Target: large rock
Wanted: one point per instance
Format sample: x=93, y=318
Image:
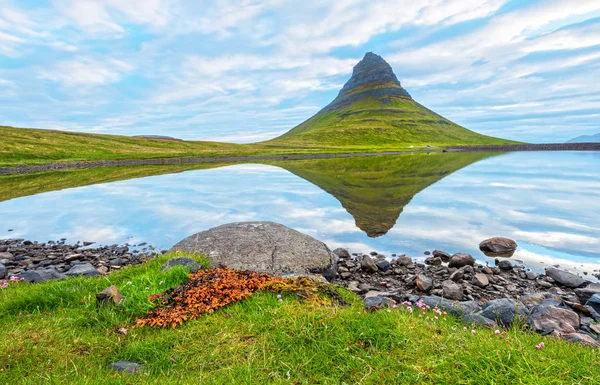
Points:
x=459, y=260
x=498, y=246
x=264, y=247
x=41, y=275
x=188, y=263
x=481, y=280
x=445, y=257
x=342, y=253
x=565, y=278
x=378, y=301
x=594, y=303
x=581, y=339
x=547, y=317
x=82, y=269
x=503, y=310
x=2, y=271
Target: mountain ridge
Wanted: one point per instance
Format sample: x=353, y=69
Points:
x=594, y=138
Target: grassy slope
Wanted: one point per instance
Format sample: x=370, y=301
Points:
x=374, y=190
x=54, y=333
x=26, y=146
x=379, y=122
x=20, y=185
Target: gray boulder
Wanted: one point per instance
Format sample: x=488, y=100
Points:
x=461, y=259
x=565, y=278
x=41, y=275
x=453, y=307
x=452, y=290
x=505, y=265
x=548, y=317
x=498, y=246
x=434, y=261
x=186, y=262
x=403, y=260
x=478, y=320
x=481, y=280
x=581, y=338
x=594, y=303
x=264, y=247
x=2, y=271
x=82, y=269
x=503, y=310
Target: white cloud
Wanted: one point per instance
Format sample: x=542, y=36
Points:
x=86, y=72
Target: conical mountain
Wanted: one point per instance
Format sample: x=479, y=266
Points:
x=373, y=109
x=374, y=190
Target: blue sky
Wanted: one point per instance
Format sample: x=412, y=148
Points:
x=250, y=70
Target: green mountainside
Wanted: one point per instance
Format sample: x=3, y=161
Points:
x=374, y=190
x=372, y=109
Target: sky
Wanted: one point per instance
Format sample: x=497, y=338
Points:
x=246, y=70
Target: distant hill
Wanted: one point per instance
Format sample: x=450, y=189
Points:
x=163, y=137
x=373, y=109
x=586, y=139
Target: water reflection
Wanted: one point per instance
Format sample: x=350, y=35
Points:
x=547, y=202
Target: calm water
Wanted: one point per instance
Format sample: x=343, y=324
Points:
x=547, y=202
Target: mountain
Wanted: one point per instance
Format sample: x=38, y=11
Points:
x=374, y=190
x=374, y=109
x=586, y=139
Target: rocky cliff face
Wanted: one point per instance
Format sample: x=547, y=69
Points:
x=371, y=77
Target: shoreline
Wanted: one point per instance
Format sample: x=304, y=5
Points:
x=68, y=165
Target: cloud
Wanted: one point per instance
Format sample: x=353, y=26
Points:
x=86, y=72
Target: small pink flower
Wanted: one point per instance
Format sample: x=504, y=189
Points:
x=539, y=346
x=4, y=284
x=278, y=296
x=465, y=329
x=14, y=278
x=497, y=332
x=410, y=310
x=394, y=306
x=473, y=331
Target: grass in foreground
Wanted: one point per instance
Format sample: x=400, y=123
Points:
x=54, y=333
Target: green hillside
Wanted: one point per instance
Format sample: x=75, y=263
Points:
x=374, y=190
x=373, y=109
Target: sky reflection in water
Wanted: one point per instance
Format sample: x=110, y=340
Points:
x=547, y=202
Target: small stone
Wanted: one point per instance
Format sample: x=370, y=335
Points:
x=403, y=260
x=126, y=366
x=353, y=286
x=498, y=245
x=383, y=265
x=532, y=300
x=74, y=257
x=461, y=259
x=505, y=265
x=367, y=264
x=427, y=252
x=342, y=253
x=481, y=280
x=342, y=269
x=452, y=290
x=543, y=284
x=186, y=262
x=377, y=301
x=363, y=287
x=457, y=276
x=102, y=270
x=434, y=261
x=442, y=255
x=3, y=271
x=594, y=303
x=110, y=295
x=424, y=283
x=6, y=255
x=345, y=275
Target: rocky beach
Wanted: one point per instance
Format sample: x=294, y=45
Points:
x=557, y=302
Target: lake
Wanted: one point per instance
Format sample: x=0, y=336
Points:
x=403, y=204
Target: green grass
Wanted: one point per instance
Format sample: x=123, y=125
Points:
x=382, y=121
x=54, y=333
